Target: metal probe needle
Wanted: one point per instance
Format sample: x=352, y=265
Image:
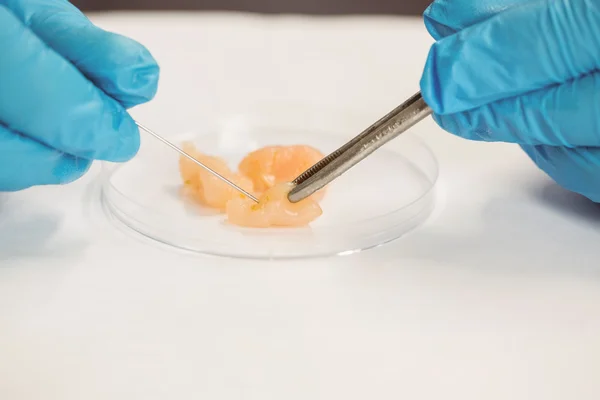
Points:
x=183, y=153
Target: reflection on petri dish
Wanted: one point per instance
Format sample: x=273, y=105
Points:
x=385, y=196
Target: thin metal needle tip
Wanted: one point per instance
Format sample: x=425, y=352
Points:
x=183, y=153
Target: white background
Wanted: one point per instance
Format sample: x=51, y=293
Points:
x=497, y=297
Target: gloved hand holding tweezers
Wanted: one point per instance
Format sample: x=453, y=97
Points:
x=517, y=71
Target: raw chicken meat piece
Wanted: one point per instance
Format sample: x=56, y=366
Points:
x=204, y=187
x=271, y=165
x=265, y=173
x=273, y=210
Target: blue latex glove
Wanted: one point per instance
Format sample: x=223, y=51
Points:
x=64, y=89
x=522, y=72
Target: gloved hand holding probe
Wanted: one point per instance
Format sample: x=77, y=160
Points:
x=524, y=72
x=65, y=86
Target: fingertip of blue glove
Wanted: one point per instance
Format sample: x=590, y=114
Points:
x=136, y=88
x=127, y=143
x=70, y=169
x=470, y=126
x=123, y=68
x=430, y=84
x=140, y=85
x=120, y=66
x=147, y=79
x=451, y=124
x=447, y=83
x=432, y=18
x=114, y=137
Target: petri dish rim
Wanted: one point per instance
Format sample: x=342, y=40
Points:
x=108, y=170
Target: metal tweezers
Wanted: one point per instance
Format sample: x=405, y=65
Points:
x=341, y=160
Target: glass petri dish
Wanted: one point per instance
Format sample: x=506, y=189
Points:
x=382, y=198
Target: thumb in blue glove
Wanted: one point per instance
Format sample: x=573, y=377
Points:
x=521, y=72
x=65, y=86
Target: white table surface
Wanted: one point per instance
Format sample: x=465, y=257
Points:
x=497, y=297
